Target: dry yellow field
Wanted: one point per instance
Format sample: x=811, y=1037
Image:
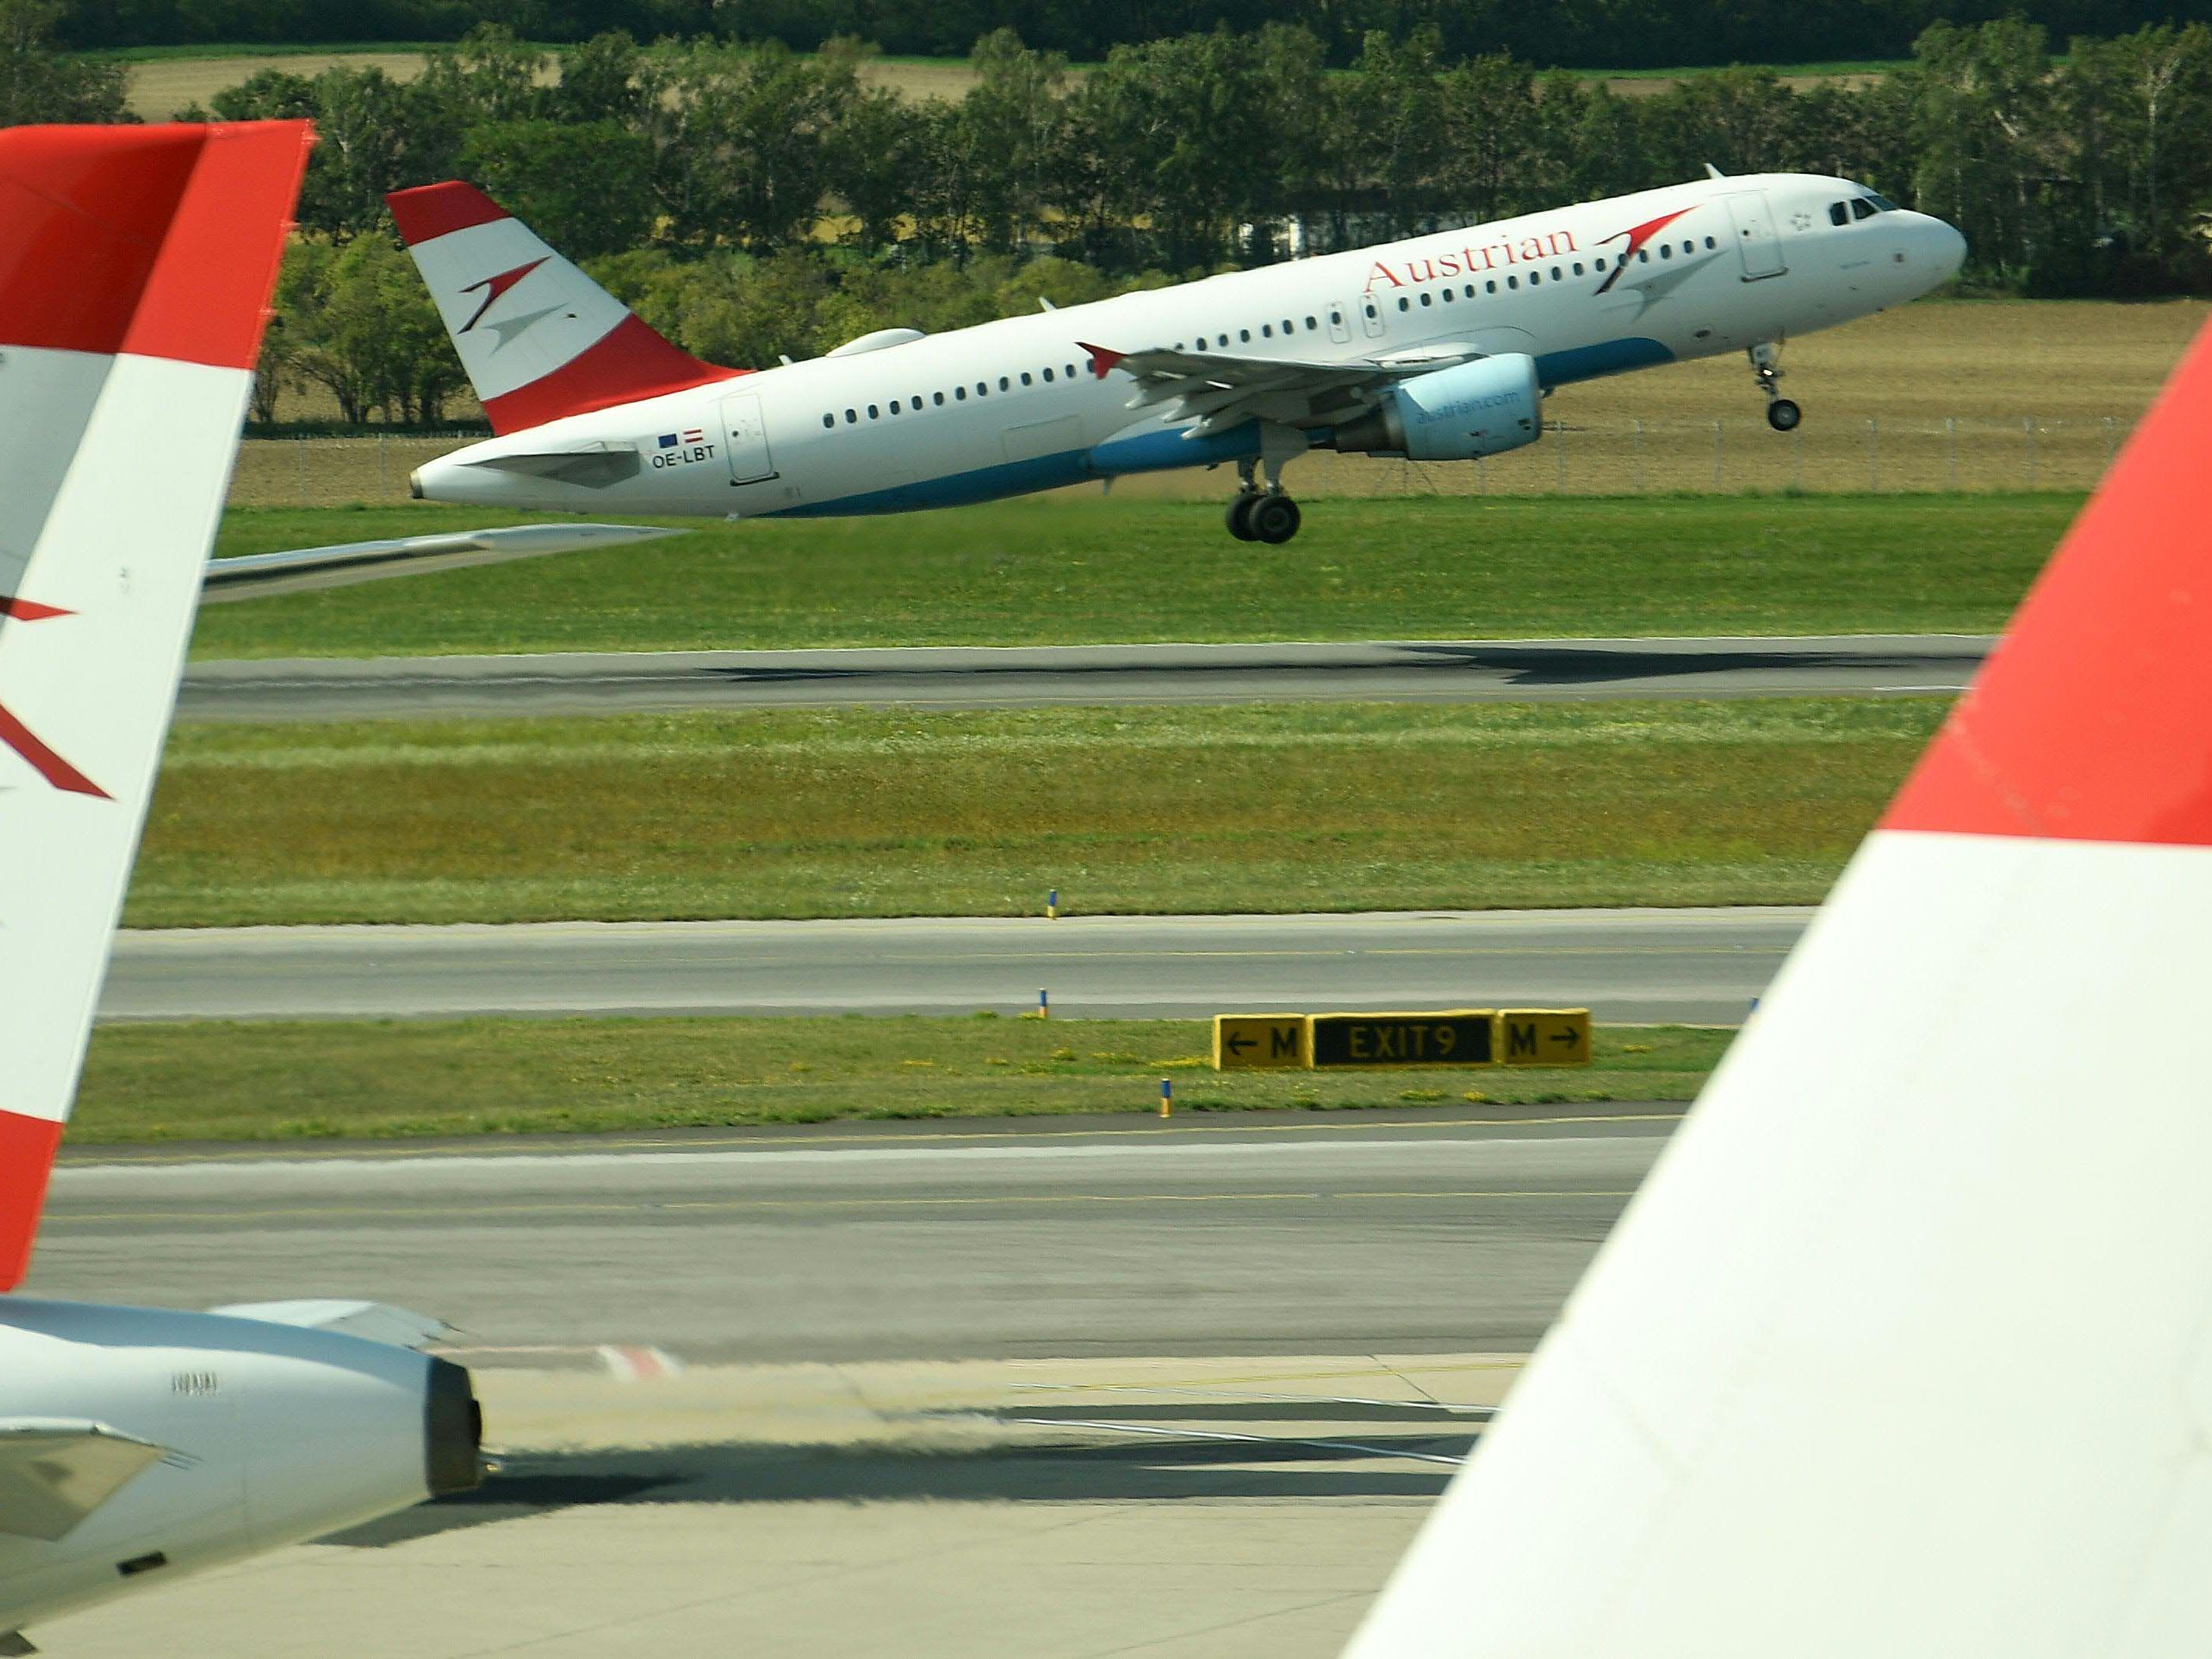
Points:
x=2036, y=395
x=160, y=89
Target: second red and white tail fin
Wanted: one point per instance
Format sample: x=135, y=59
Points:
x=1905, y=1345
x=135, y=265
x=538, y=338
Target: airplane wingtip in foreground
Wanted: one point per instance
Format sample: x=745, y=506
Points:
x=135, y=265
x=136, y=1444
x=1904, y=1345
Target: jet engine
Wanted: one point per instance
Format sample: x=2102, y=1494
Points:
x=148, y=1444
x=1480, y=408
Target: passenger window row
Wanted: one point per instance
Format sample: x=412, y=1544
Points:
x=915, y=405
x=1289, y=327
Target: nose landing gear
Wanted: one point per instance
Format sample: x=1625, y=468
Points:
x=1781, y=414
x=1262, y=515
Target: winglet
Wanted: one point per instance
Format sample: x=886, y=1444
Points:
x=1957, y=1170
x=1104, y=361
x=135, y=265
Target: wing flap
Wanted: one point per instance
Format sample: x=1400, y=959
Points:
x=1220, y=390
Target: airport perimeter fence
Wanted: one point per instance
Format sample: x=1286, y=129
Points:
x=1827, y=456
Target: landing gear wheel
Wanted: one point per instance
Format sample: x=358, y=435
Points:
x=1272, y=518
x=1783, y=414
x=1239, y=515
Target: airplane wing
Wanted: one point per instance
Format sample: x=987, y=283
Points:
x=1905, y=1345
x=55, y=1471
x=250, y=575
x=1220, y=390
x=377, y=1322
x=135, y=265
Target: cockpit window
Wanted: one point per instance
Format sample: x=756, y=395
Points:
x=1838, y=213
x=1882, y=203
x=1863, y=209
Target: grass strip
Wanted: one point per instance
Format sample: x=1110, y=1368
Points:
x=1054, y=572
x=382, y=1080
x=1276, y=808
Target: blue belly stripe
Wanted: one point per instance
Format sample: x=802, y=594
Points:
x=1607, y=357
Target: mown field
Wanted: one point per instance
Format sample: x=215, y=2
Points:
x=1276, y=808
x=1046, y=573
x=217, y=1081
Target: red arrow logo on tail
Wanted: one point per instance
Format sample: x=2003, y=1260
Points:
x=496, y=286
x=24, y=741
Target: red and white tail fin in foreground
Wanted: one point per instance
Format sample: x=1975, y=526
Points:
x=540, y=338
x=1905, y=1346
x=135, y=265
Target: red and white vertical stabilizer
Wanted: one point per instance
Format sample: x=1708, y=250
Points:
x=1905, y=1347
x=540, y=338
x=135, y=265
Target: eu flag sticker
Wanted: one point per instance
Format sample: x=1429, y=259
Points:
x=668, y=441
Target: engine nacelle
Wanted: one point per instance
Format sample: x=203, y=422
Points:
x=1483, y=408
x=252, y=1436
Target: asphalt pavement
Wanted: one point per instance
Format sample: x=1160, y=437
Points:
x=975, y=676
x=1289, y=1233
x=1695, y=966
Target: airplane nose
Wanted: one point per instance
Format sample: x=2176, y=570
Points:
x=1950, y=249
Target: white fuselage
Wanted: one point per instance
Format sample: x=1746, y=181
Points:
x=1012, y=406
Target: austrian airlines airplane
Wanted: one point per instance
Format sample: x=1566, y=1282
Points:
x=139, y=1443
x=1440, y=348
x=1905, y=1345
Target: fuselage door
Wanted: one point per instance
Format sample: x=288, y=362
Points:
x=1756, y=243
x=745, y=439
x=1371, y=314
x=1339, y=322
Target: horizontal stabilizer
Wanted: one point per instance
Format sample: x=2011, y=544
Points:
x=55, y=1471
x=402, y=552
x=374, y=1321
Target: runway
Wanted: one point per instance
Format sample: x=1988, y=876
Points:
x=978, y=677
x=1288, y=1233
x=1695, y=966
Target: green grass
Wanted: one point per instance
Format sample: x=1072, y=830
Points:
x=217, y=1081
x=1047, y=571
x=873, y=812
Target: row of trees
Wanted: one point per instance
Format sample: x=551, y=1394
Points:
x=1574, y=34
x=2089, y=174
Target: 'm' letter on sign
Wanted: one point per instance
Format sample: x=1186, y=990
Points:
x=1543, y=1036
x=1268, y=1042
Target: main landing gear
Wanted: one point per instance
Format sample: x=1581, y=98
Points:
x=1262, y=515
x=1781, y=414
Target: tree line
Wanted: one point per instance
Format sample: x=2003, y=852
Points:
x=753, y=202
x=1619, y=35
